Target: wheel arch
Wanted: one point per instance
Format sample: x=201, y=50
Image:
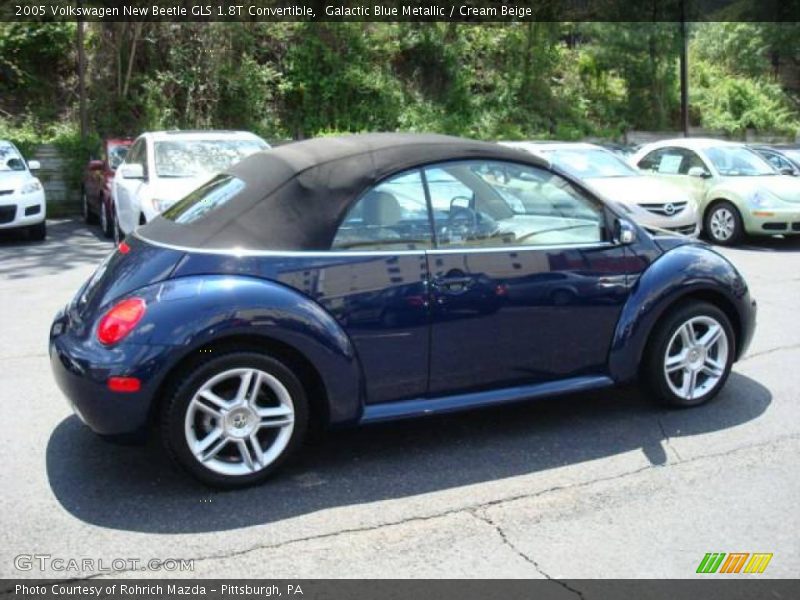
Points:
x=189, y=316
x=296, y=361
x=676, y=278
x=718, y=198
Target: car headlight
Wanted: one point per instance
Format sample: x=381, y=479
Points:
x=761, y=198
x=160, y=205
x=31, y=187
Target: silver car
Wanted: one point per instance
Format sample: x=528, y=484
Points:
x=649, y=201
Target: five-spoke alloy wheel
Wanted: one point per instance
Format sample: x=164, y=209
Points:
x=235, y=418
x=690, y=355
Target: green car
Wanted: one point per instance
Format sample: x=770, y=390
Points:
x=737, y=191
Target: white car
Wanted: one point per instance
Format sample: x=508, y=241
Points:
x=22, y=202
x=162, y=167
x=649, y=201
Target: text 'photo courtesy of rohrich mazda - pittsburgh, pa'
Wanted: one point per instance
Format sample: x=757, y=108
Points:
x=475, y=298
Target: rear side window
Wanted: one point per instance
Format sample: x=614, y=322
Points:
x=205, y=199
x=391, y=216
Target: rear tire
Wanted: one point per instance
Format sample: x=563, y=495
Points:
x=723, y=224
x=689, y=356
x=116, y=232
x=233, y=420
x=106, y=222
x=88, y=216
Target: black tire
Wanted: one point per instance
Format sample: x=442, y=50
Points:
x=177, y=404
x=38, y=232
x=106, y=221
x=116, y=232
x=88, y=216
x=654, y=373
x=732, y=215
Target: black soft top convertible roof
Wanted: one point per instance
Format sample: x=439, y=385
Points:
x=296, y=195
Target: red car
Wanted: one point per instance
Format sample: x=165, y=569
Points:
x=97, y=203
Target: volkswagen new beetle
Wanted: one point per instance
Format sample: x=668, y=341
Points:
x=352, y=280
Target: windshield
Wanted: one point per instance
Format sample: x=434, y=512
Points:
x=10, y=159
x=586, y=164
x=734, y=161
x=190, y=158
x=794, y=155
x=116, y=154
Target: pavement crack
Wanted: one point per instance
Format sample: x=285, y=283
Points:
x=769, y=351
x=481, y=515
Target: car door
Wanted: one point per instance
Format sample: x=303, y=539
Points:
x=126, y=190
x=374, y=282
x=675, y=164
x=526, y=285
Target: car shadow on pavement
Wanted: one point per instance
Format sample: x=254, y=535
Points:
x=77, y=245
x=137, y=489
x=771, y=244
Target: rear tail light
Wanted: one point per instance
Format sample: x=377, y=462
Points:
x=120, y=320
x=124, y=384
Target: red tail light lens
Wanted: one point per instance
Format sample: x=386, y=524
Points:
x=120, y=320
x=124, y=384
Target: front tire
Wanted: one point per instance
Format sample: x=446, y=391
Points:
x=233, y=420
x=38, y=232
x=690, y=355
x=723, y=224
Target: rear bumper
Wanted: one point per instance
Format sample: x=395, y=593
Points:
x=81, y=369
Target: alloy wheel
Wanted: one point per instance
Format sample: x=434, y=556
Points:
x=722, y=224
x=239, y=421
x=696, y=357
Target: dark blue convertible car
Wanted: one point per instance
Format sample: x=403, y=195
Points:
x=351, y=280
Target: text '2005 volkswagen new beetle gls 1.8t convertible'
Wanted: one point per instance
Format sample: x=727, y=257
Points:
x=367, y=278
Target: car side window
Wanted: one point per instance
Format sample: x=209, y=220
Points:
x=391, y=216
x=671, y=161
x=136, y=155
x=495, y=204
x=777, y=161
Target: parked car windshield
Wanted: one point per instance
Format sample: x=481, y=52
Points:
x=10, y=159
x=733, y=161
x=190, y=158
x=792, y=154
x=116, y=154
x=589, y=163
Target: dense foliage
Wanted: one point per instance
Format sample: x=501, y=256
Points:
x=293, y=80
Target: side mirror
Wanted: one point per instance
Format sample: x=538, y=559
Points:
x=95, y=165
x=624, y=232
x=34, y=165
x=787, y=171
x=699, y=172
x=132, y=171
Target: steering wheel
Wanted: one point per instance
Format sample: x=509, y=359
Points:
x=462, y=221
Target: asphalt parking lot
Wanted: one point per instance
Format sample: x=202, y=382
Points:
x=596, y=485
